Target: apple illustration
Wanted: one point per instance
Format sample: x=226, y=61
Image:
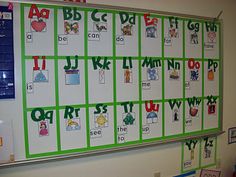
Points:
x=193, y=111
x=39, y=25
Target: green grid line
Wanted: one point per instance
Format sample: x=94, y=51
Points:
x=140, y=79
x=24, y=80
x=203, y=77
x=163, y=76
x=114, y=76
x=184, y=55
x=56, y=81
x=86, y=76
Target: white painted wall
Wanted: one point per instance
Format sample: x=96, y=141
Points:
x=144, y=162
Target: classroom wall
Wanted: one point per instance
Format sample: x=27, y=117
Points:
x=144, y=162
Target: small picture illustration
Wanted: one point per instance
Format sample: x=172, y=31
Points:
x=152, y=117
x=210, y=75
x=174, y=74
x=193, y=37
x=71, y=27
x=72, y=77
x=211, y=109
x=127, y=30
x=175, y=115
x=101, y=120
x=40, y=76
x=194, y=75
x=43, y=128
x=100, y=27
x=129, y=118
x=173, y=32
x=193, y=111
x=151, y=31
x=101, y=76
x=152, y=74
x=72, y=124
x=128, y=76
x=207, y=152
x=38, y=25
x=211, y=36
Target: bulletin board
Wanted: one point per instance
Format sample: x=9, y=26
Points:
x=7, y=84
x=99, y=79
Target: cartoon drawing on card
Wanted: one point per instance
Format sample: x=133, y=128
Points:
x=38, y=25
x=72, y=77
x=129, y=118
x=151, y=26
x=210, y=75
x=175, y=114
x=211, y=35
x=151, y=32
x=43, y=128
x=212, y=68
x=72, y=73
x=173, y=28
x=71, y=27
x=101, y=117
x=175, y=107
x=194, y=103
x=208, y=146
x=193, y=31
x=100, y=27
x=194, y=69
x=191, y=144
x=152, y=112
x=101, y=76
x=128, y=76
x=174, y=74
x=211, y=109
x=38, y=18
x=72, y=124
x=72, y=118
x=174, y=69
x=152, y=74
x=211, y=103
x=40, y=75
x=101, y=120
x=127, y=30
x=193, y=37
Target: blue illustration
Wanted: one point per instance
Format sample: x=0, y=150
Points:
x=194, y=75
x=40, y=77
x=152, y=74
